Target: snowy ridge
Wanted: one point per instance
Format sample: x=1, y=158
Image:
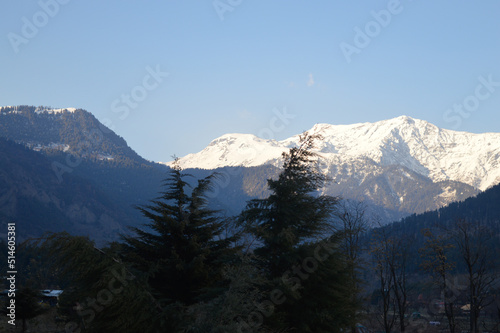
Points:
x=54, y=111
x=422, y=147
x=235, y=150
x=38, y=110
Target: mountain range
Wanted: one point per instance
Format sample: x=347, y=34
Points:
x=404, y=165
x=430, y=151
x=88, y=180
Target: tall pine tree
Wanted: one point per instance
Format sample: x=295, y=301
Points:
x=291, y=215
x=287, y=226
x=183, y=252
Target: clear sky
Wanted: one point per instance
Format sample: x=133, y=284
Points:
x=171, y=76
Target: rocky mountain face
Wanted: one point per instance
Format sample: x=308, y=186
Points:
x=403, y=164
x=72, y=131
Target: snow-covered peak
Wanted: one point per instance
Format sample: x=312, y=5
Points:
x=234, y=150
x=54, y=111
x=416, y=144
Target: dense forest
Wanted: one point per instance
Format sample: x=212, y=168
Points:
x=292, y=261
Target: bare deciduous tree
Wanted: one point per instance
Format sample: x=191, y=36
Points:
x=351, y=223
x=391, y=256
x=473, y=240
x=381, y=254
x=398, y=266
x=436, y=262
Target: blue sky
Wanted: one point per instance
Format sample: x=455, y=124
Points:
x=170, y=76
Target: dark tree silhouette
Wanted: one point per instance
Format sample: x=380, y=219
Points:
x=287, y=225
x=183, y=250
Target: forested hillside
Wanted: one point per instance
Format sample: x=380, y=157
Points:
x=32, y=196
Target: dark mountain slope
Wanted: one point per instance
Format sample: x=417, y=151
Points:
x=32, y=196
x=484, y=207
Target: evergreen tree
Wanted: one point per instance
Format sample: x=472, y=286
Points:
x=231, y=311
x=291, y=215
x=183, y=252
x=313, y=286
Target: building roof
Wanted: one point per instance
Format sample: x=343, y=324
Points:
x=51, y=293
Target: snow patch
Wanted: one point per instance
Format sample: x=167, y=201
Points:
x=54, y=111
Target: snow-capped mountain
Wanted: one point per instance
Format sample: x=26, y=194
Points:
x=421, y=147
